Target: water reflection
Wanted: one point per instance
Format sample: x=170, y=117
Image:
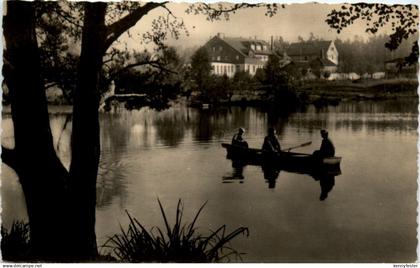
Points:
x=271, y=173
x=237, y=173
x=111, y=183
x=327, y=182
x=176, y=153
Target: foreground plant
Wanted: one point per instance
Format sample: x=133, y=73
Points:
x=177, y=243
x=15, y=244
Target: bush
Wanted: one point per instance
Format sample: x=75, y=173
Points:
x=15, y=244
x=177, y=243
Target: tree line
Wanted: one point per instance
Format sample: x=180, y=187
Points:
x=358, y=55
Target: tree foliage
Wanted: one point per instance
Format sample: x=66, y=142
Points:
x=219, y=11
x=160, y=84
x=273, y=72
x=200, y=68
x=402, y=19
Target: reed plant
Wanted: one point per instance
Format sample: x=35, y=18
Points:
x=177, y=243
x=15, y=243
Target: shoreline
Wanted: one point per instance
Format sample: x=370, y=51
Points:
x=318, y=93
x=321, y=93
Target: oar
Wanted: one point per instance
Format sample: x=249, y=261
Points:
x=298, y=146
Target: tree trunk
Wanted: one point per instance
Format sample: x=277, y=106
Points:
x=41, y=174
x=60, y=204
x=85, y=135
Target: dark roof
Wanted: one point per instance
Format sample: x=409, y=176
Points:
x=307, y=48
x=243, y=45
x=253, y=60
x=327, y=62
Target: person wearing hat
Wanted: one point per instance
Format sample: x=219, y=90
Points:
x=238, y=140
x=271, y=143
x=327, y=148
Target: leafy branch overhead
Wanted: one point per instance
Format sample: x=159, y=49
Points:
x=215, y=12
x=403, y=20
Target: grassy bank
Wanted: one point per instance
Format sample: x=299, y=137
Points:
x=323, y=92
x=356, y=90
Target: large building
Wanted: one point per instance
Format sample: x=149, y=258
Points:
x=230, y=55
x=322, y=55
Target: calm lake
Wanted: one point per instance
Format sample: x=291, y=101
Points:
x=369, y=215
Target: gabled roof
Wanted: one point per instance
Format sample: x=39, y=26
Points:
x=308, y=48
x=243, y=45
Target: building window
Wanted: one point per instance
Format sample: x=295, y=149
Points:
x=252, y=46
x=265, y=47
x=226, y=58
x=214, y=49
x=220, y=48
x=258, y=47
x=218, y=58
x=237, y=57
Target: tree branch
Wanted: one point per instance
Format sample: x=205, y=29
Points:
x=50, y=84
x=154, y=63
x=8, y=156
x=218, y=11
x=117, y=28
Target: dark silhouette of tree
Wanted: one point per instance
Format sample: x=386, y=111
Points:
x=403, y=20
x=272, y=71
x=200, y=68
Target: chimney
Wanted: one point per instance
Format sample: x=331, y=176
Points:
x=272, y=43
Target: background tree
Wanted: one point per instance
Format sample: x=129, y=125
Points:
x=273, y=75
x=279, y=84
x=201, y=68
x=160, y=84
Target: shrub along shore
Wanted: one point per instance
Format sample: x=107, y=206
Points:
x=321, y=93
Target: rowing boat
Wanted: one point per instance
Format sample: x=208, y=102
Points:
x=285, y=160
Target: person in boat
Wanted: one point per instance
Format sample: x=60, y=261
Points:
x=238, y=139
x=271, y=143
x=327, y=148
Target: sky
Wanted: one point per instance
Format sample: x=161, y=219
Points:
x=289, y=23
